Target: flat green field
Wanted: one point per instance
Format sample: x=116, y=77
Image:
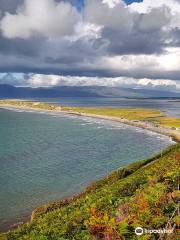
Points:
x=142, y=194
x=127, y=113
x=27, y=104
x=137, y=114
x=170, y=122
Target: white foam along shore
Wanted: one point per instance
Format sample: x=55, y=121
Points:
x=173, y=134
x=138, y=124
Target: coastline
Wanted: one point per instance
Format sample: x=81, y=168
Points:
x=124, y=172
x=62, y=202
x=139, y=124
x=173, y=134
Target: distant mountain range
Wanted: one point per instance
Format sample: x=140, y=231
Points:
x=8, y=91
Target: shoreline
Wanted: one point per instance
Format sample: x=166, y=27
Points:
x=55, y=204
x=44, y=211
x=137, y=124
x=173, y=134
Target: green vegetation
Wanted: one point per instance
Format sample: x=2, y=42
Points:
x=153, y=116
x=127, y=113
x=143, y=194
x=170, y=122
x=27, y=104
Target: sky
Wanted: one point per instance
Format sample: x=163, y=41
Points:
x=116, y=43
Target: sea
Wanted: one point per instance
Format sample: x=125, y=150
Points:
x=46, y=157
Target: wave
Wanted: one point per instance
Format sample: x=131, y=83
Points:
x=98, y=123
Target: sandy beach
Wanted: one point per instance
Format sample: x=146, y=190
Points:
x=172, y=133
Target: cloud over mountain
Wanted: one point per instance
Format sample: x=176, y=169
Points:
x=100, y=38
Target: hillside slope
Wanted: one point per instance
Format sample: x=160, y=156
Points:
x=143, y=194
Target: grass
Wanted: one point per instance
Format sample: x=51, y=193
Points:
x=127, y=113
x=144, y=194
x=170, y=122
x=27, y=104
x=136, y=114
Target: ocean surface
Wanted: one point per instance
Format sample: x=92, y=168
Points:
x=45, y=157
x=170, y=107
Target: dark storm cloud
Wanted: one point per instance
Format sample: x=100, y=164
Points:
x=70, y=42
x=175, y=37
x=20, y=47
x=74, y=53
x=66, y=67
x=134, y=42
x=9, y=5
x=132, y=33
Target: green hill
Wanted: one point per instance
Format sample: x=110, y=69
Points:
x=143, y=194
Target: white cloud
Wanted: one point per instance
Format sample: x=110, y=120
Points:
x=168, y=61
x=111, y=14
x=85, y=30
x=43, y=17
x=41, y=80
x=108, y=38
x=159, y=84
x=111, y=3
x=147, y=5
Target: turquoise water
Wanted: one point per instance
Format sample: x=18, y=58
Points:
x=46, y=157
